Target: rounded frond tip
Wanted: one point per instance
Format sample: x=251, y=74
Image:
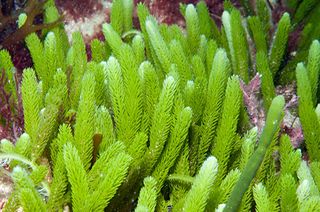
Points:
x=107, y=28
x=191, y=10
x=150, y=181
x=112, y=62
x=300, y=66
x=104, y=63
x=286, y=16
x=315, y=43
x=169, y=80
x=220, y=208
x=22, y=19
x=210, y=163
x=225, y=15
x=50, y=35
x=150, y=22
x=279, y=101
x=221, y=54
x=190, y=83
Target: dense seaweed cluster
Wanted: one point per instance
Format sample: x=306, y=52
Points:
x=161, y=116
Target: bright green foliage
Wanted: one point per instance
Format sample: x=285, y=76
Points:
x=289, y=159
x=181, y=60
x=216, y=89
x=158, y=44
x=288, y=198
x=113, y=38
x=77, y=177
x=7, y=67
x=222, y=194
x=264, y=14
x=201, y=185
x=193, y=28
x=174, y=145
x=79, y=65
x=138, y=148
x=267, y=86
x=138, y=47
x=237, y=43
x=60, y=181
x=153, y=106
x=84, y=127
x=202, y=50
x=62, y=42
x=116, y=89
x=117, y=16
x=57, y=94
x=313, y=68
x=29, y=198
x=101, y=90
x=273, y=121
x=308, y=117
x=226, y=129
x=36, y=50
x=143, y=13
x=303, y=174
x=50, y=56
x=6, y=64
x=104, y=126
x=152, y=90
x=132, y=95
x=195, y=91
x=262, y=199
x=95, y=172
x=127, y=11
x=32, y=103
x=247, y=147
x=205, y=27
x=279, y=43
x=258, y=34
x=96, y=194
x=113, y=174
x=98, y=50
x=147, y=196
x=211, y=51
x=304, y=8
x=22, y=19
x=161, y=121
x=315, y=167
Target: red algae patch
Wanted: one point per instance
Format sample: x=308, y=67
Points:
x=85, y=16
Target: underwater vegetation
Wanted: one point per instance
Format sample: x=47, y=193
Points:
x=165, y=118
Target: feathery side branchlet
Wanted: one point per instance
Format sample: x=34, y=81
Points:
x=216, y=88
x=313, y=67
x=148, y=196
x=158, y=44
x=174, y=145
x=201, y=184
x=84, y=127
x=32, y=103
x=267, y=85
x=262, y=198
x=161, y=122
x=258, y=34
x=279, y=43
x=227, y=126
x=9, y=72
x=79, y=65
x=264, y=14
x=308, y=117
